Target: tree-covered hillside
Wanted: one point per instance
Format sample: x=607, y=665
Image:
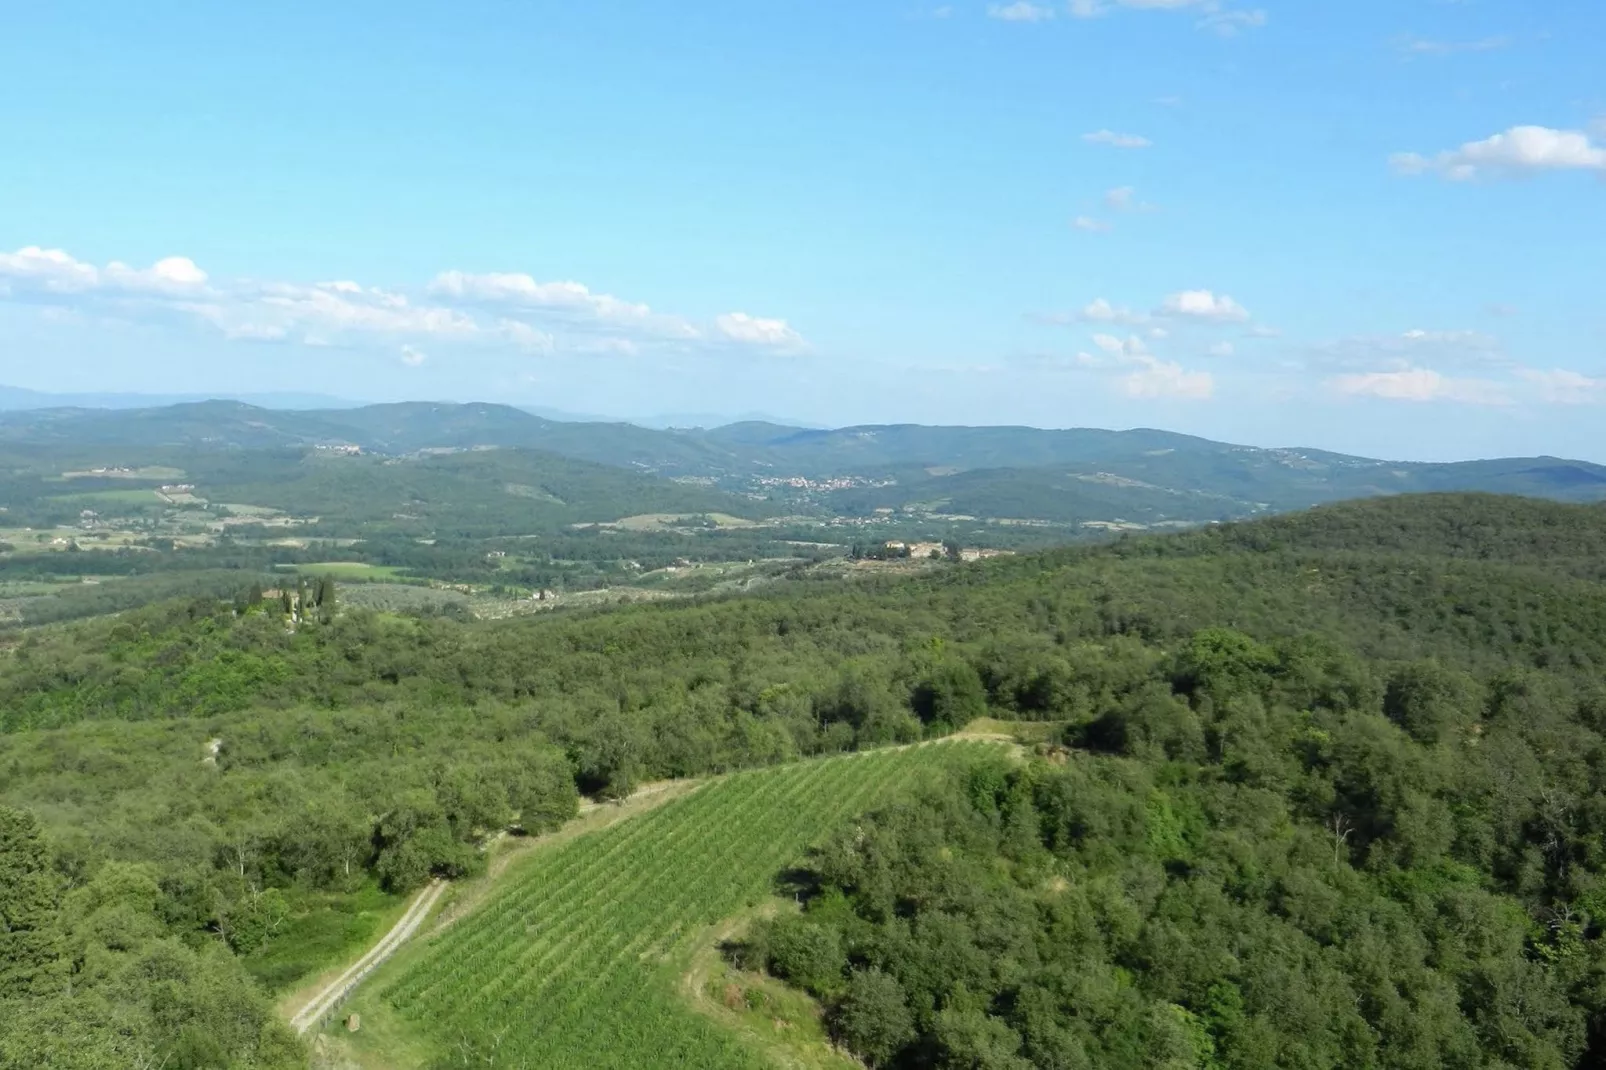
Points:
x=1347, y=766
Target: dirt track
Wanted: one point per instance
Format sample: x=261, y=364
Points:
x=330, y=997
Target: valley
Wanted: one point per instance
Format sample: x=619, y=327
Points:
x=484, y=509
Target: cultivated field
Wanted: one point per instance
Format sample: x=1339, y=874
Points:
x=577, y=961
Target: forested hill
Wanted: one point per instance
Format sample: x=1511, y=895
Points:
x=1325, y=790
x=1478, y=579
x=988, y=471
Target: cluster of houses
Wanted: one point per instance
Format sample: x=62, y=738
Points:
x=922, y=550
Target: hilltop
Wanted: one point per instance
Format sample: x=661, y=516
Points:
x=1139, y=476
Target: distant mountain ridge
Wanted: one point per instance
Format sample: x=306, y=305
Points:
x=16, y=398
x=1078, y=475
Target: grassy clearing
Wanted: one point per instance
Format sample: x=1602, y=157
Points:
x=324, y=930
x=112, y=497
x=578, y=959
x=150, y=472
x=782, y=1021
x=238, y=509
x=662, y=521
x=1019, y=731
x=399, y=597
x=349, y=571
x=36, y=540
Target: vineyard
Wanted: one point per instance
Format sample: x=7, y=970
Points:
x=575, y=963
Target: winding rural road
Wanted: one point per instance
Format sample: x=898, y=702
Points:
x=308, y=1017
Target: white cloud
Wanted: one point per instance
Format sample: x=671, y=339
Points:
x=456, y=307
x=1520, y=150
x=51, y=270
x=1232, y=23
x=516, y=288
x=1166, y=379
x=173, y=271
x=54, y=271
x=1101, y=311
x=755, y=330
x=1558, y=386
x=256, y=332
x=565, y=298
x=1214, y=14
x=1420, y=385
x=1203, y=305
x=1125, y=199
x=413, y=357
x=1115, y=140
x=1020, y=11
x=1409, y=349
x=1089, y=225
x=1222, y=349
x=1131, y=346
x=526, y=336
x=1138, y=373
x=609, y=347
x=332, y=312
x=1416, y=46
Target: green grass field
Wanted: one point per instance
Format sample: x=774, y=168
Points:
x=349, y=571
x=153, y=472
x=112, y=497
x=580, y=959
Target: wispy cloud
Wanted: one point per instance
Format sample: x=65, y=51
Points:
x=1020, y=11
x=1558, y=386
x=1520, y=150
x=498, y=309
x=1213, y=15
x=1138, y=373
x=1090, y=225
x=1417, y=46
x=1120, y=199
x=1458, y=349
x=1115, y=140
x=1100, y=310
x=1420, y=385
x=1458, y=366
x=758, y=331
x=1157, y=378
x=1125, y=199
x=1225, y=23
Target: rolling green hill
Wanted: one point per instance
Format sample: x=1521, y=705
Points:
x=1319, y=789
x=470, y=494
x=1067, y=477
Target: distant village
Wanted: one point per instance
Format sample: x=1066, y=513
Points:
x=893, y=550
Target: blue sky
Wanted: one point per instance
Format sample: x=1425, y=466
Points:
x=1376, y=226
